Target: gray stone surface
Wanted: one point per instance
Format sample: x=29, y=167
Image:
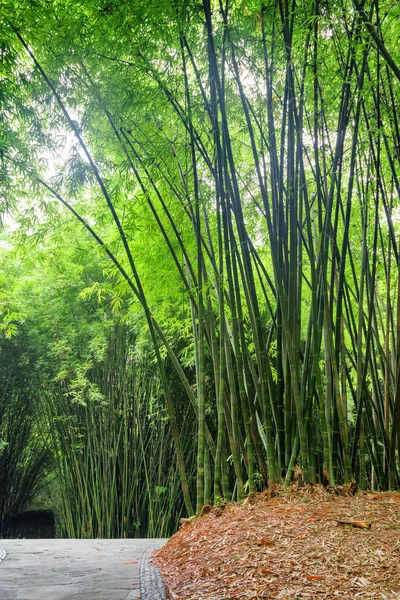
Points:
x=73, y=569
x=151, y=583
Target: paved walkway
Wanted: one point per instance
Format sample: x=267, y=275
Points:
x=72, y=569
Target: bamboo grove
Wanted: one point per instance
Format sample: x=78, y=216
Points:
x=238, y=166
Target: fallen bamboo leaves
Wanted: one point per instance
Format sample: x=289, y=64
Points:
x=288, y=546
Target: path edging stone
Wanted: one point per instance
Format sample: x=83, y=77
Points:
x=151, y=583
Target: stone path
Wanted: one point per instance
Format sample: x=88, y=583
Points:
x=77, y=569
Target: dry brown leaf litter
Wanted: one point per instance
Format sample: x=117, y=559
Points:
x=288, y=546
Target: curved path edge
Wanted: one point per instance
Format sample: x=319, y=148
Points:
x=151, y=583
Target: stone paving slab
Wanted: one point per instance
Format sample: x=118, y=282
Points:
x=65, y=569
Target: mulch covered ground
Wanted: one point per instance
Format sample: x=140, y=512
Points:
x=288, y=544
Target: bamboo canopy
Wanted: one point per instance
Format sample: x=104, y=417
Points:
x=237, y=166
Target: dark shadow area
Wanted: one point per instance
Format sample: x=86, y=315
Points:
x=32, y=524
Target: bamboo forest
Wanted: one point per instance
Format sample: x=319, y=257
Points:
x=199, y=272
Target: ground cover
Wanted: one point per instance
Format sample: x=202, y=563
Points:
x=289, y=543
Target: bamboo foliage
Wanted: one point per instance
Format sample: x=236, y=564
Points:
x=261, y=143
x=113, y=455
